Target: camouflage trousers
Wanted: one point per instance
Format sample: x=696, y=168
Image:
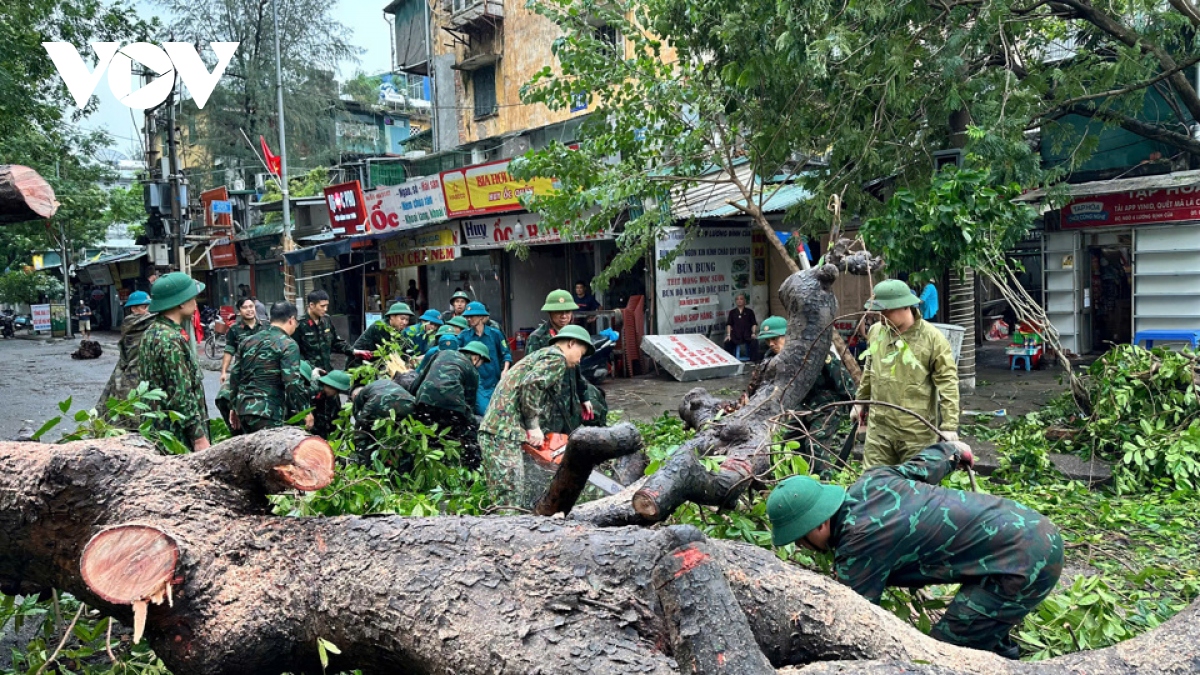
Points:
x=225, y=406
x=513, y=477
x=985, y=610
x=253, y=423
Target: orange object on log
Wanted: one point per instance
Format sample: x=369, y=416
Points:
x=550, y=451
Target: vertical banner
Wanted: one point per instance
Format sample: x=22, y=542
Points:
x=696, y=292
x=41, y=317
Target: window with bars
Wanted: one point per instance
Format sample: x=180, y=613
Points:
x=483, y=82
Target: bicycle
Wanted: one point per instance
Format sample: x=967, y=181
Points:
x=214, y=338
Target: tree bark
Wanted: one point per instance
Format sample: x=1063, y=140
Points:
x=24, y=195
x=248, y=592
x=587, y=448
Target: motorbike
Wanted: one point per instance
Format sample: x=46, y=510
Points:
x=23, y=322
x=6, y=326
x=595, y=367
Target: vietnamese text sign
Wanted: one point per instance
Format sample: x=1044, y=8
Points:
x=488, y=188
x=526, y=228
x=41, y=317
x=696, y=293
x=423, y=249
x=224, y=255
x=1141, y=207
x=213, y=216
x=690, y=357
x=347, y=210
x=222, y=206
x=407, y=205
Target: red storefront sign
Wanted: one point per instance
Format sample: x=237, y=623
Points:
x=1142, y=207
x=347, y=208
x=223, y=255
x=221, y=220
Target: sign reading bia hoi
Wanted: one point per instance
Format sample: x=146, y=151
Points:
x=1140, y=207
x=347, y=209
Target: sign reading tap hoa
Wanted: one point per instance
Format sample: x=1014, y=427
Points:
x=1139, y=207
x=410, y=204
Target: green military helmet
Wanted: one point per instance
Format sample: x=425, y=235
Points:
x=458, y=322
x=445, y=330
x=574, y=332
x=773, y=327
x=479, y=349
x=891, y=294
x=172, y=290
x=399, y=308
x=799, y=505
x=476, y=309
x=460, y=294
x=338, y=379
x=306, y=370
x=560, y=301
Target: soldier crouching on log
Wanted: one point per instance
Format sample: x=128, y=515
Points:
x=896, y=526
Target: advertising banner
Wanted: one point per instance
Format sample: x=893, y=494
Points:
x=218, y=212
x=525, y=228
x=427, y=248
x=59, y=320
x=407, y=205
x=487, y=188
x=1141, y=207
x=41, y=317
x=223, y=255
x=697, y=292
x=347, y=210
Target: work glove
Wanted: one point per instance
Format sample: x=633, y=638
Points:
x=588, y=413
x=364, y=354
x=535, y=437
x=950, y=436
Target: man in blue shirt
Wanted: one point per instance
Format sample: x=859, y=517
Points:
x=490, y=372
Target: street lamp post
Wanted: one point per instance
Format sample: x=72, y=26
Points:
x=289, y=287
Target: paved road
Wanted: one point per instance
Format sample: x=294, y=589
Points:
x=35, y=376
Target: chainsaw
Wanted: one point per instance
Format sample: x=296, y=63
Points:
x=549, y=456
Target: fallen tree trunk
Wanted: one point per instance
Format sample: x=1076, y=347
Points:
x=24, y=195
x=242, y=591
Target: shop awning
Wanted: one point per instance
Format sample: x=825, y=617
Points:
x=265, y=230
x=331, y=249
x=776, y=198
x=110, y=258
x=1178, y=179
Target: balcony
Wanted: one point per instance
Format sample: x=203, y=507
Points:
x=474, y=15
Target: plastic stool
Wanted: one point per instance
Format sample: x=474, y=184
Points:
x=1016, y=359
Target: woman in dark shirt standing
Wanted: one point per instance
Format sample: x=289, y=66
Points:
x=741, y=330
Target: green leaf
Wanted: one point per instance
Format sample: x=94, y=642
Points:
x=64, y=406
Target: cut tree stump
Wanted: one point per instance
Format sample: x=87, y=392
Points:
x=24, y=195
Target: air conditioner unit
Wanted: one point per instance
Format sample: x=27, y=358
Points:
x=478, y=155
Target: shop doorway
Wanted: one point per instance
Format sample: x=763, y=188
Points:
x=1111, y=294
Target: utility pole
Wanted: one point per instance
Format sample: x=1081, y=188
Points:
x=66, y=264
x=289, y=280
x=176, y=193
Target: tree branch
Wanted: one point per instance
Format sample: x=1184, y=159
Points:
x=1145, y=129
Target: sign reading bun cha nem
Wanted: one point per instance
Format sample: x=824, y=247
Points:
x=487, y=188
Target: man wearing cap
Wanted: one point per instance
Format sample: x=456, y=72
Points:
x=458, y=305
x=515, y=417
x=574, y=404
x=125, y=376
x=490, y=372
x=316, y=335
x=374, y=403
x=896, y=527
x=167, y=361
x=422, y=334
x=327, y=402
x=909, y=364
x=396, y=318
x=445, y=390
x=266, y=383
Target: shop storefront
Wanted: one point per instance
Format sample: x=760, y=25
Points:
x=712, y=265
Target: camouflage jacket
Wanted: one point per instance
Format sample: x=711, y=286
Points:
x=489, y=373
x=317, y=340
x=522, y=398
x=375, y=402
x=325, y=412
x=450, y=382
x=266, y=381
x=126, y=376
x=238, y=333
x=897, y=527
x=167, y=361
x=565, y=413
x=380, y=332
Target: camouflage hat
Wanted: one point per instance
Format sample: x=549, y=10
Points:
x=479, y=349
x=460, y=295
x=338, y=379
x=458, y=322
x=172, y=290
x=575, y=333
x=399, y=308
x=773, y=327
x=892, y=294
x=560, y=301
x=799, y=505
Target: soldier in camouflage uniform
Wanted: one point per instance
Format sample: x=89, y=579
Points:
x=167, y=360
x=396, y=318
x=445, y=393
x=244, y=326
x=833, y=384
x=126, y=376
x=266, y=383
x=316, y=335
x=514, y=417
x=577, y=402
x=327, y=402
x=374, y=402
x=896, y=527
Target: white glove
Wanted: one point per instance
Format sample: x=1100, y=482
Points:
x=856, y=414
x=950, y=436
x=535, y=437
